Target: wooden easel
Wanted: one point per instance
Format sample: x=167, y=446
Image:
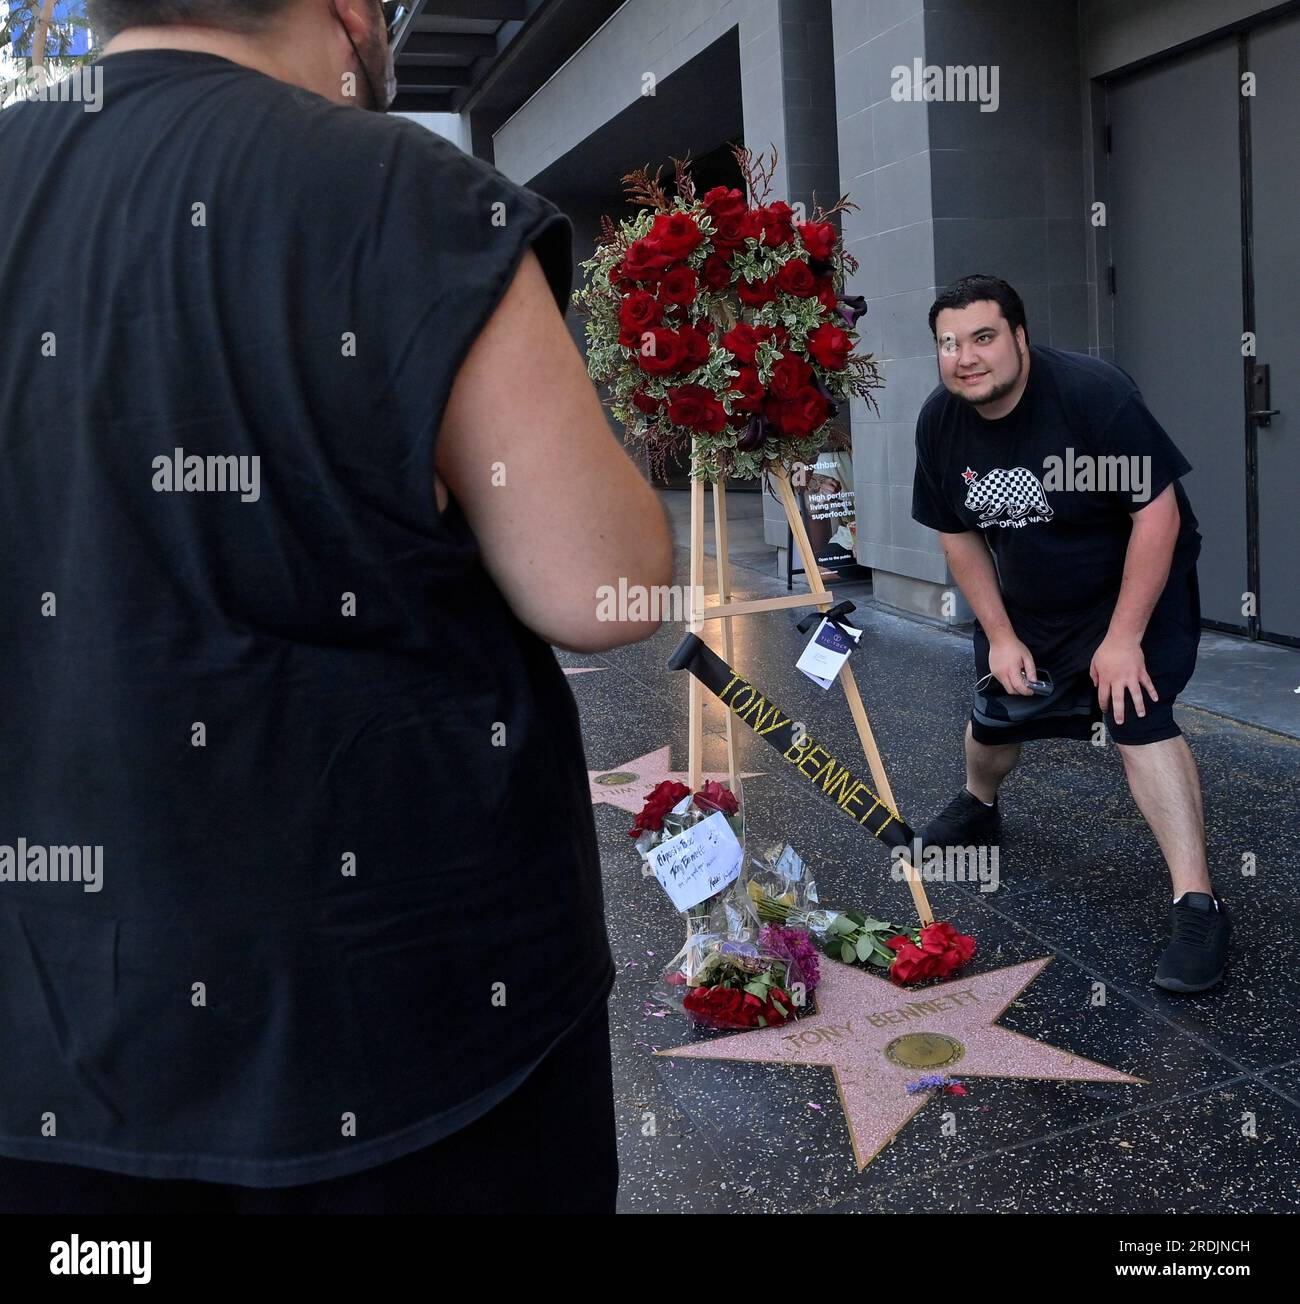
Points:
x=726, y=610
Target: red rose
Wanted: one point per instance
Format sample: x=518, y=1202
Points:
x=619, y=281
x=676, y=234
x=777, y=228
x=698, y=344
x=660, y=351
x=636, y=314
x=732, y=230
x=661, y=799
x=751, y=392
x=811, y=411
x=948, y=948
x=646, y=403
x=826, y=294
x=716, y=272
x=796, y=278
x=645, y=261
x=722, y=202
x=742, y=341
x=756, y=293
x=717, y=796
x=697, y=408
x=679, y=286
x=910, y=964
x=830, y=346
x=799, y=415
x=819, y=239
x=790, y=375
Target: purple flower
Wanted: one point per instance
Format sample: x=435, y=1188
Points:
x=795, y=945
x=925, y=1083
x=851, y=307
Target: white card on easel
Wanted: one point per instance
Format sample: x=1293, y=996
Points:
x=827, y=651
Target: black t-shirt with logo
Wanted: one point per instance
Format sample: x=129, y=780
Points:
x=350, y=887
x=1051, y=486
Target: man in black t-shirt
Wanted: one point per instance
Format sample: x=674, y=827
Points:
x=1057, y=496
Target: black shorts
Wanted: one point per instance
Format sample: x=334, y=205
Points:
x=1072, y=711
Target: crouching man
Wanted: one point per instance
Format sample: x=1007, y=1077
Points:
x=1050, y=465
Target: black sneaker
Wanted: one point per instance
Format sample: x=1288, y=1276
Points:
x=964, y=822
x=1196, y=955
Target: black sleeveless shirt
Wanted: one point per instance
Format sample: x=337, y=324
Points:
x=348, y=890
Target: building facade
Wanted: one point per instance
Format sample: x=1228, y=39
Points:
x=1126, y=164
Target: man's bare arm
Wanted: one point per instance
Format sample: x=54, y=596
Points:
x=574, y=513
x=972, y=567
x=1118, y=665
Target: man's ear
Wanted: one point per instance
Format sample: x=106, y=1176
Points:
x=354, y=15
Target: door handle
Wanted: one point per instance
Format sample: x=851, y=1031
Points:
x=1263, y=414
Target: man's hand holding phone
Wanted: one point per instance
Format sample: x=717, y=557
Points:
x=1012, y=664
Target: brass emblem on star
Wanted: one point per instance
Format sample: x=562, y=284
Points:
x=924, y=1050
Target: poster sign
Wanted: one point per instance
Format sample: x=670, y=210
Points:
x=824, y=490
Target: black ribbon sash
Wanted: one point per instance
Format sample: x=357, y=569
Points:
x=812, y=760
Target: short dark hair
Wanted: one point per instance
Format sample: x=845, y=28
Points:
x=108, y=17
x=977, y=288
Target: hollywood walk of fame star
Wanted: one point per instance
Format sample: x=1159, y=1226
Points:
x=628, y=785
x=878, y=1036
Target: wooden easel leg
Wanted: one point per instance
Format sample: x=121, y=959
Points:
x=724, y=596
x=849, y=684
x=695, y=699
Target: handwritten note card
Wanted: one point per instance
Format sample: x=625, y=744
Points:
x=698, y=862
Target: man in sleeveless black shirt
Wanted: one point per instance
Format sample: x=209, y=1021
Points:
x=347, y=952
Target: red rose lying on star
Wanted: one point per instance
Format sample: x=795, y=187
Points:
x=727, y=1007
x=942, y=951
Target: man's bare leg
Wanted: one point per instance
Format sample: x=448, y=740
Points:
x=1167, y=788
x=987, y=766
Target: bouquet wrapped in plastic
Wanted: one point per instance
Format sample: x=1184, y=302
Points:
x=670, y=810
x=723, y=982
x=784, y=896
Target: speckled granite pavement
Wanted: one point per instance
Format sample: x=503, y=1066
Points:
x=1081, y=880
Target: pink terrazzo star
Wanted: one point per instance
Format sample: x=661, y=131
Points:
x=859, y=1020
x=627, y=786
